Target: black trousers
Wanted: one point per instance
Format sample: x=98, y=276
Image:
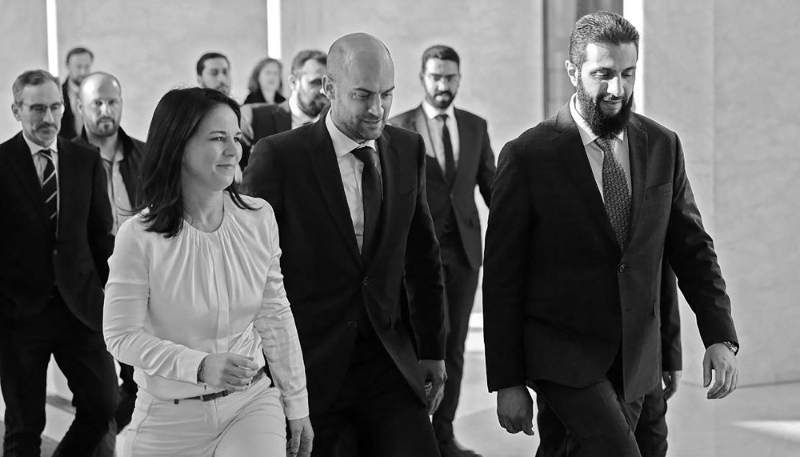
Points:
x=651, y=430
x=461, y=283
x=25, y=350
x=593, y=421
x=377, y=406
x=127, y=397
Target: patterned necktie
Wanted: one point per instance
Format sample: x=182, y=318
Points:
x=449, y=160
x=371, y=197
x=616, y=196
x=50, y=190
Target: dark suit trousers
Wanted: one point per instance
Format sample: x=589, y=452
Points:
x=25, y=350
x=375, y=400
x=593, y=421
x=461, y=282
x=651, y=430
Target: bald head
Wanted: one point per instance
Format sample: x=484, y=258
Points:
x=100, y=102
x=360, y=85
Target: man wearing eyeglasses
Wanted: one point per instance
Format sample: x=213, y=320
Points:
x=55, y=239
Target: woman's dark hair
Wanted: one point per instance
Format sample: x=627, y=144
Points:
x=174, y=122
x=252, y=84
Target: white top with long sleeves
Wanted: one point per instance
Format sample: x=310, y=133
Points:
x=171, y=301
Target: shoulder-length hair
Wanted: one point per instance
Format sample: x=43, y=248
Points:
x=174, y=122
x=252, y=84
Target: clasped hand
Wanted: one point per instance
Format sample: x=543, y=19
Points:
x=228, y=371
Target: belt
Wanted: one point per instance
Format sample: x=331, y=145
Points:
x=224, y=393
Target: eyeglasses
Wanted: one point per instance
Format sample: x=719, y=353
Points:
x=41, y=109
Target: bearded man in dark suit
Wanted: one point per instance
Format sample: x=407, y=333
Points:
x=584, y=208
x=55, y=239
x=459, y=159
x=349, y=196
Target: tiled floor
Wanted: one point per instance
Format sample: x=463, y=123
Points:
x=753, y=422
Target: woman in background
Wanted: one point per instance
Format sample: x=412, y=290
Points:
x=266, y=83
x=195, y=297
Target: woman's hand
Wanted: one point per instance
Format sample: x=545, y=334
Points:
x=228, y=371
x=302, y=438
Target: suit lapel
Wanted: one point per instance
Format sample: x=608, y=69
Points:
x=283, y=118
x=20, y=159
x=420, y=125
x=326, y=168
x=389, y=180
x=637, y=150
x=466, y=141
x=573, y=156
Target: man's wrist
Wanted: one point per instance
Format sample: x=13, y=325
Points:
x=734, y=347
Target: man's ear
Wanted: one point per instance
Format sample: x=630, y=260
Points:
x=327, y=87
x=573, y=71
x=200, y=81
x=15, y=110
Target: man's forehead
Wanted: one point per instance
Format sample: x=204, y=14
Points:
x=46, y=93
x=312, y=66
x=216, y=63
x=441, y=67
x=607, y=52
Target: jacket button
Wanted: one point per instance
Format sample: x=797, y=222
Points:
x=366, y=280
x=622, y=268
x=352, y=325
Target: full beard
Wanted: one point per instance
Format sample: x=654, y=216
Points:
x=601, y=123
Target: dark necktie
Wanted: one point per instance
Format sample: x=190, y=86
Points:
x=616, y=195
x=449, y=160
x=50, y=190
x=371, y=197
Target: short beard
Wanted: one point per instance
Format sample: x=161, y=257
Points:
x=602, y=124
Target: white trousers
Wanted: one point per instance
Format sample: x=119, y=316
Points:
x=248, y=423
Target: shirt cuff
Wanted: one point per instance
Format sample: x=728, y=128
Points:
x=296, y=407
x=191, y=361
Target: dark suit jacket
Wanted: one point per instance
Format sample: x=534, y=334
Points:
x=670, y=322
x=68, y=118
x=475, y=167
x=560, y=299
x=33, y=261
x=267, y=120
x=326, y=281
x=258, y=97
x=131, y=164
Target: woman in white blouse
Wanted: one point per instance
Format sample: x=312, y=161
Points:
x=195, y=297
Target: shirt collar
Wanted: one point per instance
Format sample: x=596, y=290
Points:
x=432, y=111
x=35, y=148
x=298, y=115
x=342, y=144
x=587, y=136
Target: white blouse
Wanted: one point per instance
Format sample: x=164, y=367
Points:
x=171, y=301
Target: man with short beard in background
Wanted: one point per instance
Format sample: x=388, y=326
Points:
x=100, y=104
x=585, y=207
x=303, y=107
x=79, y=64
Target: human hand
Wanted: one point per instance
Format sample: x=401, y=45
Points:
x=228, y=371
x=515, y=409
x=301, y=439
x=722, y=361
x=436, y=375
x=671, y=380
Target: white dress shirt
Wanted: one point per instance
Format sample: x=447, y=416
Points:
x=40, y=162
x=593, y=151
x=351, y=170
x=172, y=301
x=435, y=131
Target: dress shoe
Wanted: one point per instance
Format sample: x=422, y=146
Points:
x=452, y=448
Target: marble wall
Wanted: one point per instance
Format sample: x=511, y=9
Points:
x=25, y=25
x=719, y=73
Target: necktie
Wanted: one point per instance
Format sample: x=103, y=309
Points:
x=449, y=160
x=50, y=190
x=371, y=197
x=616, y=195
